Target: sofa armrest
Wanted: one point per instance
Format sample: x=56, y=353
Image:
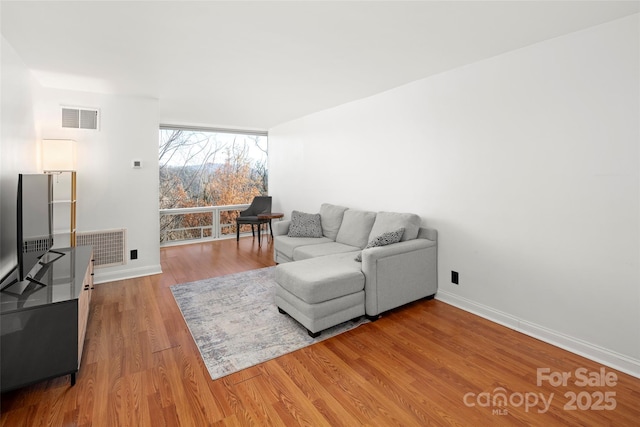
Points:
x=280, y=227
x=428, y=233
x=398, y=274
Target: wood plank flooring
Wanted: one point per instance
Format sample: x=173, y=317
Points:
x=424, y=364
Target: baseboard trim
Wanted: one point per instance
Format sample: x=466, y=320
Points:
x=111, y=276
x=582, y=348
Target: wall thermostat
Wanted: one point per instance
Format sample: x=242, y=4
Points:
x=137, y=164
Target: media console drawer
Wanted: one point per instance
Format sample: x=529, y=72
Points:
x=43, y=328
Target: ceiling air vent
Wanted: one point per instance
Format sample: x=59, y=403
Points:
x=79, y=118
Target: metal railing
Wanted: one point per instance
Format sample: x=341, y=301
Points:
x=189, y=225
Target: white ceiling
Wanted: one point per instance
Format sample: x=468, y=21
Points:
x=257, y=64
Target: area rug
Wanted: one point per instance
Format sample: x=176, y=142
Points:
x=236, y=324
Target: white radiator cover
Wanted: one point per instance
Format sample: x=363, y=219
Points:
x=109, y=246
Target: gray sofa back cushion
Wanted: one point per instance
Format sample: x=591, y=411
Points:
x=391, y=221
x=331, y=218
x=356, y=227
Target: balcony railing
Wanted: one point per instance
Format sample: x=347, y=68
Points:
x=190, y=225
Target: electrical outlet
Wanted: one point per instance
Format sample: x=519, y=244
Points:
x=454, y=278
x=133, y=254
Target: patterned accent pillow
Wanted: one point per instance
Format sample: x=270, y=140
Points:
x=383, y=240
x=305, y=225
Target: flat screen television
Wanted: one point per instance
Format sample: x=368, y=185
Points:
x=34, y=229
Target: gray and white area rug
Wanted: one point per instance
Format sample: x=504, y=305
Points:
x=236, y=324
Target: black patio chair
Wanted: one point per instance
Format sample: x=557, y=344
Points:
x=259, y=205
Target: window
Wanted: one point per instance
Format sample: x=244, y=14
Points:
x=208, y=167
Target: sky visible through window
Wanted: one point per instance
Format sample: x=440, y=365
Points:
x=198, y=146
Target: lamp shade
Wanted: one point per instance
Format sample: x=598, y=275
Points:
x=58, y=155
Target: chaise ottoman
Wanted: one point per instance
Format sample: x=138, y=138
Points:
x=321, y=292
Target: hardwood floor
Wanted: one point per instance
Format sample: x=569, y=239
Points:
x=424, y=364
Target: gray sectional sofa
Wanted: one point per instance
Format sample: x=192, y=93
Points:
x=342, y=263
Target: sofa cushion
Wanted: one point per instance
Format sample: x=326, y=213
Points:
x=321, y=279
x=391, y=221
x=331, y=218
x=355, y=228
x=323, y=249
x=305, y=225
x=286, y=244
x=383, y=240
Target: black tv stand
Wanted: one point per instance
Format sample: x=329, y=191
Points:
x=22, y=288
x=50, y=256
x=19, y=287
x=47, y=321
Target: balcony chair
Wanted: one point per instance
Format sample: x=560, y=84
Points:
x=259, y=205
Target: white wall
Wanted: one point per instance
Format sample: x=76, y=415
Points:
x=18, y=145
x=527, y=164
x=110, y=193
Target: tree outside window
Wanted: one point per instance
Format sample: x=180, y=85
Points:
x=208, y=168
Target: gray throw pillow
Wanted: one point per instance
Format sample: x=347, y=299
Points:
x=305, y=225
x=383, y=240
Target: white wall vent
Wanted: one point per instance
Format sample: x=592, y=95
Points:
x=108, y=246
x=79, y=118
